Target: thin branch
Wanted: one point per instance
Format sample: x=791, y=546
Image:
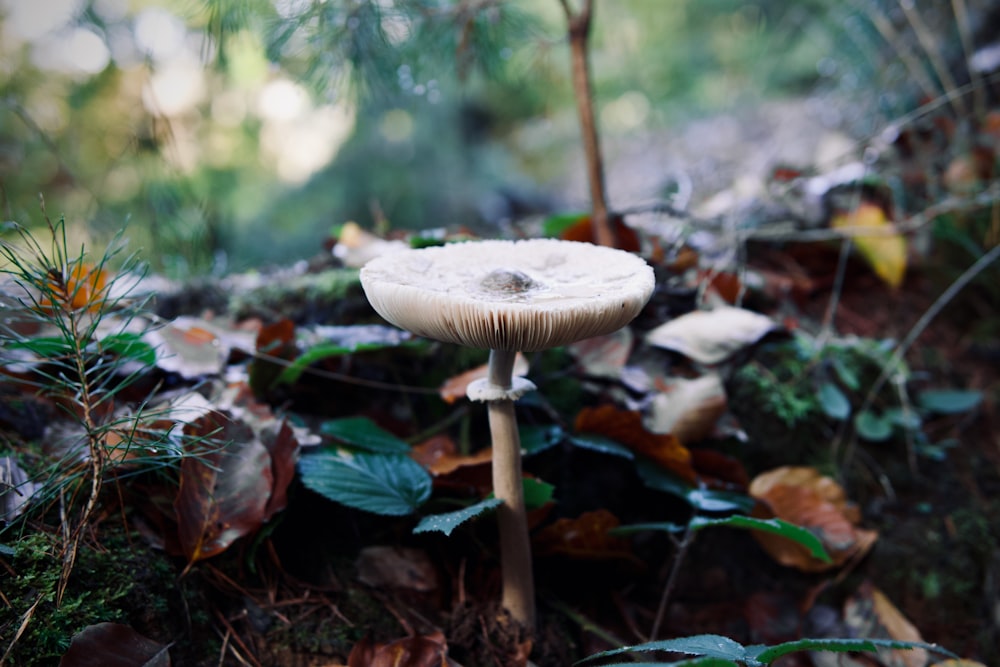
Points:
x=579, y=35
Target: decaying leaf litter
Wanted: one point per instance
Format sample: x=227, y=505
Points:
x=321, y=479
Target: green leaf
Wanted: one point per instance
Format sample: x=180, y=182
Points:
x=949, y=401
x=833, y=401
x=665, y=526
x=845, y=373
x=768, y=655
x=871, y=426
x=447, y=522
x=777, y=526
x=710, y=646
x=536, y=492
x=390, y=484
x=554, y=225
x=599, y=443
x=129, y=346
x=905, y=419
x=364, y=434
x=705, y=500
x=694, y=662
x=341, y=340
x=536, y=439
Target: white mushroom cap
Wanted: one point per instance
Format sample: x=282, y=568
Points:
x=509, y=295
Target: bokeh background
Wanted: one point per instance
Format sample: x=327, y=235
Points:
x=227, y=134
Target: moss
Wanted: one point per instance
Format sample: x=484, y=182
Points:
x=117, y=580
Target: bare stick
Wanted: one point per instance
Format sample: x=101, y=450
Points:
x=579, y=34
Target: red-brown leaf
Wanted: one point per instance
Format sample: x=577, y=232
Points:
x=625, y=426
x=224, y=493
x=423, y=651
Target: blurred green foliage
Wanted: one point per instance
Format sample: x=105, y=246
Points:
x=227, y=133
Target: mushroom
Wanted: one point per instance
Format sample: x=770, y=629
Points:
x=509, y=297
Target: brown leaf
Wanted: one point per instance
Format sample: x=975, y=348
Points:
x=114, y=645
x=440, y=457
x=283, y=449
x=625, y=426
x=423, y=651
x=224, y=492
x=689, y=409
x=869, y=614
x=585, y=537
x=803, y=496
x=277, y=342
x=397, y=567
x=583, y=230
x=718, y=469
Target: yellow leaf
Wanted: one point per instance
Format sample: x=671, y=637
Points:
x=885, y=252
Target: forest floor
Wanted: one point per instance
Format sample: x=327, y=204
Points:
x=911, y=514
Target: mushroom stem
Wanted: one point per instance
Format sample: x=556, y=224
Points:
x=515, y=545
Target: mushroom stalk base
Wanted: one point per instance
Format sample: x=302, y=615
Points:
x=515, y=545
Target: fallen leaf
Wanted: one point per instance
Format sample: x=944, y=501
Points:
x=804, y=497
x=884, y=252
x=958, y=663
x=711, y=336
x=584, y=537
x=454, y=388
x=16, y=489
x=422, y=651
x=114, y=645
x=870, y=614
x=225, y=489
x=625, y=427
x=275, y=344
x=356, y=246
x=583, y=230
x=189, y=348
x=603, y=356
x=689, y=409
x=440, y=456
x=397, y=567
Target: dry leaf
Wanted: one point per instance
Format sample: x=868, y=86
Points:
x=233, y=486
x=424, y=651
x=397, y=567
x=958, y=663
x=806, y=498
x=356, y=246
x=625, y=427
x=885, y=252
x=604, y=356
x=114, y=645
x=583, y=230
x=585, y=537
x=869, y=614
x=688, y=408
x=711, y=336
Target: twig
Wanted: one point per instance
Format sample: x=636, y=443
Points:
x=586, y=624
x=682, y=548
x=891, y=366
x=579, y=35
